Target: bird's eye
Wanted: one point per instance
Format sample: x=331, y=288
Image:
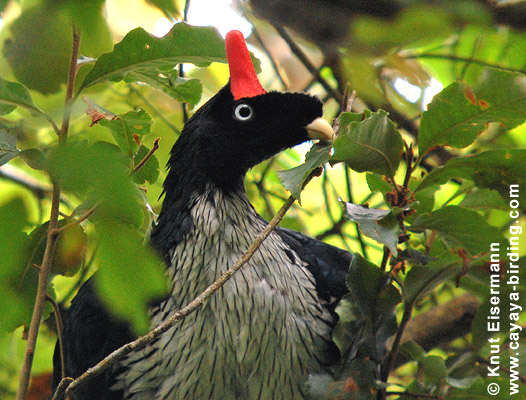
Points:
x=243, y=112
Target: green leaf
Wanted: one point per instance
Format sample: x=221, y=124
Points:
x=434, y=368
x=380, y=225
x=8, y=149
x=128, y=130
x=370, y=287
x=34, y=158
x=140, y=52
x=493, y=169
x=100, y=172
x=12, y=95
x=420, y=281
x=33, y=34
x=124, y=260
x=372, y=145
x=459, y=113
x=484, y=198
x=39, y=41
x=367, y=313
x=17, y=304
x=69, y=252
x=460, y=228
x=377, y=183
x=413, y=350
x=479, y=390
x=149, y=171
x=184, y=90
x=294, y=178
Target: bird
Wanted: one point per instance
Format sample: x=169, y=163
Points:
x=268, y=329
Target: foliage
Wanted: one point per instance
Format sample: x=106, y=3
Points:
x=434, y=198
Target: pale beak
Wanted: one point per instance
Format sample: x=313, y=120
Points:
x=320, y=129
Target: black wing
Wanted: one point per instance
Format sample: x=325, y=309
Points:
x=328, y=264
x=90, y=333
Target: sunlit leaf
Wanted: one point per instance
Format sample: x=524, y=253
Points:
x=459, y=113
x=69, y=253
x=412, y=350
x=168, y=5
x=39, y=43
x=434, y=368
x=140, y=52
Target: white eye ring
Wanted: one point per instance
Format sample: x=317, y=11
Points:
x=243, y=112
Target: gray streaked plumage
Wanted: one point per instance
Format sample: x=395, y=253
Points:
x=266, y=321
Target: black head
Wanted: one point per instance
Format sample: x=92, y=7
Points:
x=226, y=137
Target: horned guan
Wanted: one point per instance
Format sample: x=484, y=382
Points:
x=269, y=328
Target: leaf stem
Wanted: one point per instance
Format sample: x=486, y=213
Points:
x=147, y=157
x=76, y=221
x=391, y=356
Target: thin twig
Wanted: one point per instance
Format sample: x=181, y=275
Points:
x=391, y=356
x=271, y=58
x=61, y=389
x=189, y=308
x=306, y=62
x=76, y=221
x=467, y=60
x=58, y=321
x=45, y=268
x=147, y=157
x=409, y=155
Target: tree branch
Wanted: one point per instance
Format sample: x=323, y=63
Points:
x=45, y=268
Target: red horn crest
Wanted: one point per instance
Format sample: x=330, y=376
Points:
x=243, y=79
